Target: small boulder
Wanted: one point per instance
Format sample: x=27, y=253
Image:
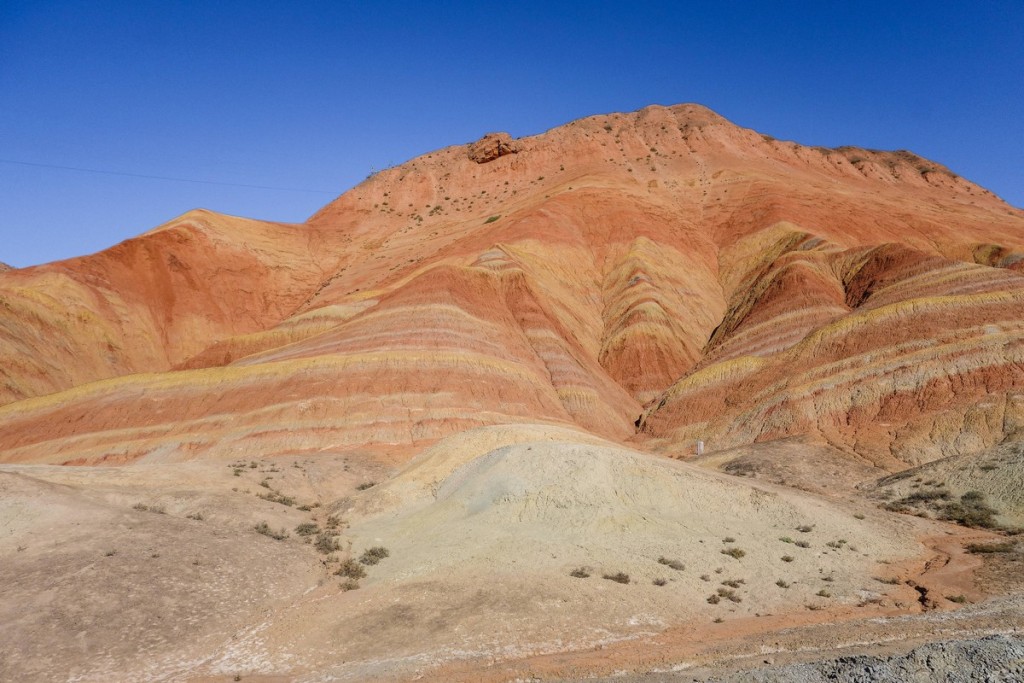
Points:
x=492, y=146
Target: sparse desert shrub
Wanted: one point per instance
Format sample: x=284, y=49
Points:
x=705, y=577
x=110, y=553
x=802, y=544
x=729, y=595
x=351, y=569
x=987, y=548
x=326, y=543
x=672, y=564
x=805, y=529
x=858, y=516
x=197, y=516
x=732, y=583
x=374, y=555
x=307, y=529
x=264, y=528
x=736, y=553
x=492, y=219
x=333, y=522
x=958, y=599
x=925, y=496
x=786, y=539
x=891, y=581
x=366, y=485
x=782, y=584
x=141, y=507
x=580, y=573
x=659, y=582
x=713, y=599
x=718, y=620
x=349, y=585
x=275, y=497
x=787, y=558
x=970, y=511
x=728, y=539
x=618, y=577
x=823, y=594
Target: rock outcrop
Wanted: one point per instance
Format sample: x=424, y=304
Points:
x=491, y=147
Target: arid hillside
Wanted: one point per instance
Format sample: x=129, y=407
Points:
x=657, y=277
x=432, y=433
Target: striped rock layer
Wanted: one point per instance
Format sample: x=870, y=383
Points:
x=662, y=276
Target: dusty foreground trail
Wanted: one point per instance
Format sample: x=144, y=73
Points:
x=927, y=640
x=502, y=553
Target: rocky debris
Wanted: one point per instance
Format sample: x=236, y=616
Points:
x=995, y=658
x=492, y=146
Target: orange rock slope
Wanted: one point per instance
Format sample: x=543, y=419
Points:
x=662, y=276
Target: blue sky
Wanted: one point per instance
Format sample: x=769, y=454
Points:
x=313, y=96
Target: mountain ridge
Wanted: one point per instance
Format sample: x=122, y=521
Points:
x=578, y=279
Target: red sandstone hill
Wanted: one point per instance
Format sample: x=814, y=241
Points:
x=661, y=276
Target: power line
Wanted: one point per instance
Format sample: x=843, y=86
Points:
x=159, y=177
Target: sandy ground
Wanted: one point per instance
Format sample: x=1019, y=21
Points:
x=155, y=571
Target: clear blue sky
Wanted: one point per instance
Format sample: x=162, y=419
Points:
x=313, y=95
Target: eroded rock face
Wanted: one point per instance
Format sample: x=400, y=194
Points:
x=664, y=264
x=492, y=146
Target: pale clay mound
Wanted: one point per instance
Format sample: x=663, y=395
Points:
x=488, y=549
